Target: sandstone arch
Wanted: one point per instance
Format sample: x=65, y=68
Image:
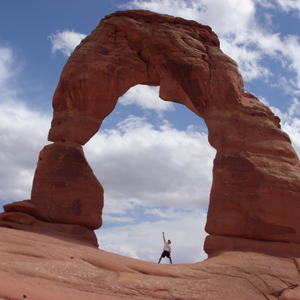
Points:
x=256, y=182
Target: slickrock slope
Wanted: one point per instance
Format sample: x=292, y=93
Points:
x=40, y=267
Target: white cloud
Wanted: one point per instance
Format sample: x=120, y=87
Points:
x=292, y=128
x=249, y=61
x=118, y=208
x=294, y=108
x=23, y=133
x=242, y=15
x=292, y=48
x=214, y=13
x=107, y=218
x=65, y=41
x=6, y=61
x=9, y=71
x=138, y=164
x=169, y=213
x=250, y=42
x=182, y=8
x=290, y=123
x=147, y=98
x=289, y=5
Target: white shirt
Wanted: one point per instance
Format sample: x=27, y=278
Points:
x=167, y=247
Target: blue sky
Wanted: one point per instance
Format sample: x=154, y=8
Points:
x=152, y=157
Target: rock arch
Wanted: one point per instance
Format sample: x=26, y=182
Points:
x=255, y=190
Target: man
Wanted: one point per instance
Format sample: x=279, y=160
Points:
x=167, y=250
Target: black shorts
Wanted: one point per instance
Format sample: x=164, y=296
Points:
x=165, y=254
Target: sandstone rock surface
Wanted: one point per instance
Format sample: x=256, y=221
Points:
x=24, y=221
x=24, y=206
x=65, y=189
x=40, y=267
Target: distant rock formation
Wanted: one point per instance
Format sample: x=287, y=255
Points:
x=256, y=175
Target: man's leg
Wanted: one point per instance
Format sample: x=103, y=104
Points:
x=160, y=259
x=170, y=260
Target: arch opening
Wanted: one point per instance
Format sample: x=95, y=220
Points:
x=156, y=177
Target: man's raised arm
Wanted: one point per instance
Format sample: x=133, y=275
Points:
x=164, y=237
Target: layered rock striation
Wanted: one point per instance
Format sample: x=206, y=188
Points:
x=256, y=173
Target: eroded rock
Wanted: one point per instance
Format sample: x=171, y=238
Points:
x=65, y=189
x=256, y=174
x=24, y=206
x=23, y=221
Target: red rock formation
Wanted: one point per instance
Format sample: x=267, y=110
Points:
x=65, y=189
x=256, y=174
x=66, y=200
x=127, y=48
x=24, y=206
x=70, y=232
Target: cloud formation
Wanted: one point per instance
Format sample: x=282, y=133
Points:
x=144, y=240
x=139, y=164
x=6, y=61
x=288, y=5
x=21, y=138
x=146, y=97
x=65, y=41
